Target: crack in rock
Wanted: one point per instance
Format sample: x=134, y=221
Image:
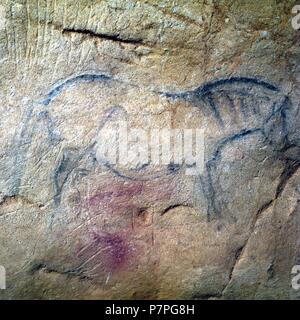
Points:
x=104, y=36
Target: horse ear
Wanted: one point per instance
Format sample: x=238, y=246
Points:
x=276, y=127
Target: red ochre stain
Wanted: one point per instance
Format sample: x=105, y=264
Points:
x=113, y=251
x=118, y=192
x=118, y=251
x=118, y=197
x=95, y=199
x=106, y=252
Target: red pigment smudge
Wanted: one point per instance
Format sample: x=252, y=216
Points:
x=95, y=199
x=118, y=252
x=118, y=192
x=112, y=251
x=108, y=252
x=117, y=197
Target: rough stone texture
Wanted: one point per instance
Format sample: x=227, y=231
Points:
x=74, y=228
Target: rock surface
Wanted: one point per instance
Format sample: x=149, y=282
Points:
x=72, y=227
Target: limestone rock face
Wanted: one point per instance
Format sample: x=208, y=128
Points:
x=75, y=225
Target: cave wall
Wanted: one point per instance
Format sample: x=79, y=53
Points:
x=73, y=226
